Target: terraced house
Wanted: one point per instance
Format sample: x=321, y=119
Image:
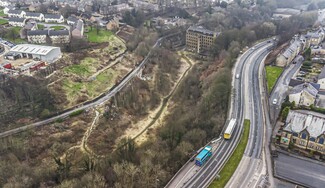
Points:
x=53, y=18
x=305, y=130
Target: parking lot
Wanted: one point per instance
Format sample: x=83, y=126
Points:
x=299, y=170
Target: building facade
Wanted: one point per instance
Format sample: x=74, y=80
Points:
x=53, y=18
x=199, y=40
x=305, y=130
x=20, y=22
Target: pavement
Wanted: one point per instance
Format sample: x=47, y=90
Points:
x=300, y=171
x=204, y=176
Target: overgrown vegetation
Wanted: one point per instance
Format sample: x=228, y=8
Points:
x=233, y=162
x=99, y=35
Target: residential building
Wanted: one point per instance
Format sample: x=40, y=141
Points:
x=16, y=13
x=48, y=54
x=60, y=36
x=20, y=22
x=38, y=36
x=316, y=37
x=317, y=50
x=78, y=29
x=304, y=94
x=48, y=36
x=4, y=3
x=113, y=23
x=321, y=79
x=290, y=53
x=35, y=16
x=72, y=20
x=199, y=39
x=305, y=130
x=53, y=18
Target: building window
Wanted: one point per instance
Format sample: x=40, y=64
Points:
x=295, y=134
x=304, y=135
x=312, y=139
x=321, y=140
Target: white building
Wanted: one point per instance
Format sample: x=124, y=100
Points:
x=53, y=18
x=48, y=54
x=4, y=3
x=48, y=36
x=16, y=13
x=20, y=22
x=35, y=16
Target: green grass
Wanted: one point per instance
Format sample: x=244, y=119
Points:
x=272, y=74
x=57, y=27
x=102, y=36
x=40, y=26
x=2, y=21
x=234, y=160
x=2, y=14
x=85, y=69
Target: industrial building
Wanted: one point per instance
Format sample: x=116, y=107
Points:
x=48, y=54
x=199, y=40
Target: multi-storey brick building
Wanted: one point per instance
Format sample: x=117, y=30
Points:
x=199, y=40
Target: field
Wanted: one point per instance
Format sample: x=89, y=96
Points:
x=272, y=74
x=234, y=160
x=57, y=27
x=2, y=21
x=102, y=36
x=84, y=69
x=2, y=14
x=40, y=26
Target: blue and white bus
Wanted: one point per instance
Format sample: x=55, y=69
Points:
x=203, y=156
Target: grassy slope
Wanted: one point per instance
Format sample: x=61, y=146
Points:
x=2, y=21
x=102, y=36
x=272, y=74
x=234, y=160
x=2, y=14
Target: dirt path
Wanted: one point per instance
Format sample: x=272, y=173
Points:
x=139, y=131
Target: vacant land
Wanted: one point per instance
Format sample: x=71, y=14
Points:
x=272, y=74
x=99, y=36
x=234, y=160
x=3, y=21
x=1, y=13
x=57, y=27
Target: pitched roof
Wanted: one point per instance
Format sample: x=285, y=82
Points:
x=72, y=19
x=52, y=16
x=300, y=120
x=37, y=32
x=58, y=32
x=33, y=14
x=13, y=19
x=294, y=82
x=15, y=11
x=311, y=88
x=79, y=25
x=322, y=74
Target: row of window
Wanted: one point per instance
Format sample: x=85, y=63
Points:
x=304, y=135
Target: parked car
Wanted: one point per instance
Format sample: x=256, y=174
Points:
x=275, y=101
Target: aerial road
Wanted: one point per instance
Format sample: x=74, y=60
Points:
x=98, y=102
x=242, y=105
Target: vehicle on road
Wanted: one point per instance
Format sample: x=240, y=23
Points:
x=203, y=156
x=275, y=101
x=237, y=76
x=230, y=128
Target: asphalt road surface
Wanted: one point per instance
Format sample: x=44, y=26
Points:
x=204, y=176
x=299, y=170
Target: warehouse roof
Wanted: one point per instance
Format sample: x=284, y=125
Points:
x=32, y=49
